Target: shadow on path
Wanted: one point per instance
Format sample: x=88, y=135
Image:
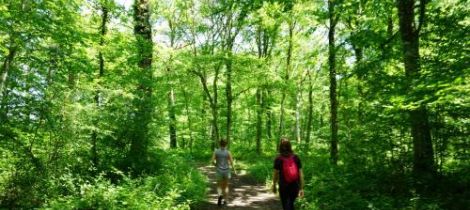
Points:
x=244, y=193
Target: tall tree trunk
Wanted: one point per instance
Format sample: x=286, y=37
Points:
x=103, y=29
x=215, y=109
x=213, y=103
x=262, y=41
x=6, y=68
x=143, y=101
x=358, y=52
x=310, y=111
x=332, y=70
x=172, y=117
x=228, y=93
x=269, y=114
x=3, y=81
x=286, y=79
x=298, y=105
x=259, y=120
x=423, y=162
x=171, y=94
x=188, y=115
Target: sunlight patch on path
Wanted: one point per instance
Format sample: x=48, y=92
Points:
x=243, y=194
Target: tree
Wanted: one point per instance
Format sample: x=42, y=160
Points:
x=143, y=101
x=333, y=18
x=423, y=158
x=101, y=62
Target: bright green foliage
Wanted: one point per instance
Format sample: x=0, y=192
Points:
x=167, y=190
x=233, y=68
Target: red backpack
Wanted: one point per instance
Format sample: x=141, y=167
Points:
x=289, y=169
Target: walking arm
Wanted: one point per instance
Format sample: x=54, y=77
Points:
x=213, y=159
x=230, y=160
x=275, y=180
x=301, y=176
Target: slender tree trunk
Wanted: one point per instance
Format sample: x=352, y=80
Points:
x=143, y=101
x=332, y=70
x=6, y=68
x=172, y=117
x=358, y=52
x=298, y=105
x=103, y=29
x=259, y=120
x=228, y=93
x=310, y=111
x=423, y=156
x=386, y=49
x=215, y=109
x=188, y=115
x=215, y=127
x=171, y=95
x=213, y=103
x=286, y=79
x=261, y=104
x=269, y=114
x=3, y=81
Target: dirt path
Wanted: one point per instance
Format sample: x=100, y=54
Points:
x=244, y=193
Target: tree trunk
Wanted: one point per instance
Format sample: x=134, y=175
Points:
x=213, y=103
x=298, y=105
x=6, y=68
x=310, y=111
x=423, y=162
x=171, y=94
x=358, y=53
x=3, y=81
x=263, y=45
x=286, y=80
x=228, y=93
x=172, y=118
x=332, y=70
x=269, y=114
x=188, y=115
x=103, y=29
x=215, y=109
x=259, y=120
x=143, y=101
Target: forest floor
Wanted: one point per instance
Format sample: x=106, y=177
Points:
x=244, y=193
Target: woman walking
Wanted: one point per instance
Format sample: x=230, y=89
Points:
x=288, y=174
x=222, y=159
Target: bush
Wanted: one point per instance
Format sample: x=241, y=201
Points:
x=175, y=186
x=131, y=194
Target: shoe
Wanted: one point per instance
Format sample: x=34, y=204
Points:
x=219, y=201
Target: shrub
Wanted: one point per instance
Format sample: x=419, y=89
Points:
x=175, y=186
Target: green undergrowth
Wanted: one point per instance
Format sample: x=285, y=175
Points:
x=174, y=185
x=352, y=186
x=260, y=168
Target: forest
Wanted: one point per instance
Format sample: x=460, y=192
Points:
x=119, y=104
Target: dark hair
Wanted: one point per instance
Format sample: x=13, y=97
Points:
x=223, y=142
x=285, y=148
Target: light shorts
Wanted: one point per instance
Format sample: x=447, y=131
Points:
x=222, y=174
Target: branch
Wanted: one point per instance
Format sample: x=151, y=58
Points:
x=203, y=80
x=422, y=13
x=241, y=92
x=382, y=45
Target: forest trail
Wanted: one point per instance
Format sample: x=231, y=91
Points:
x=244, y=194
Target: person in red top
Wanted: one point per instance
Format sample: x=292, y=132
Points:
x=288, y=174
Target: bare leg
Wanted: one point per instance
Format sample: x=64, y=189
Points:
x=224, y=186
x=219, y=187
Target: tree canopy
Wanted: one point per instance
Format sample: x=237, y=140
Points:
x=114, y=104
